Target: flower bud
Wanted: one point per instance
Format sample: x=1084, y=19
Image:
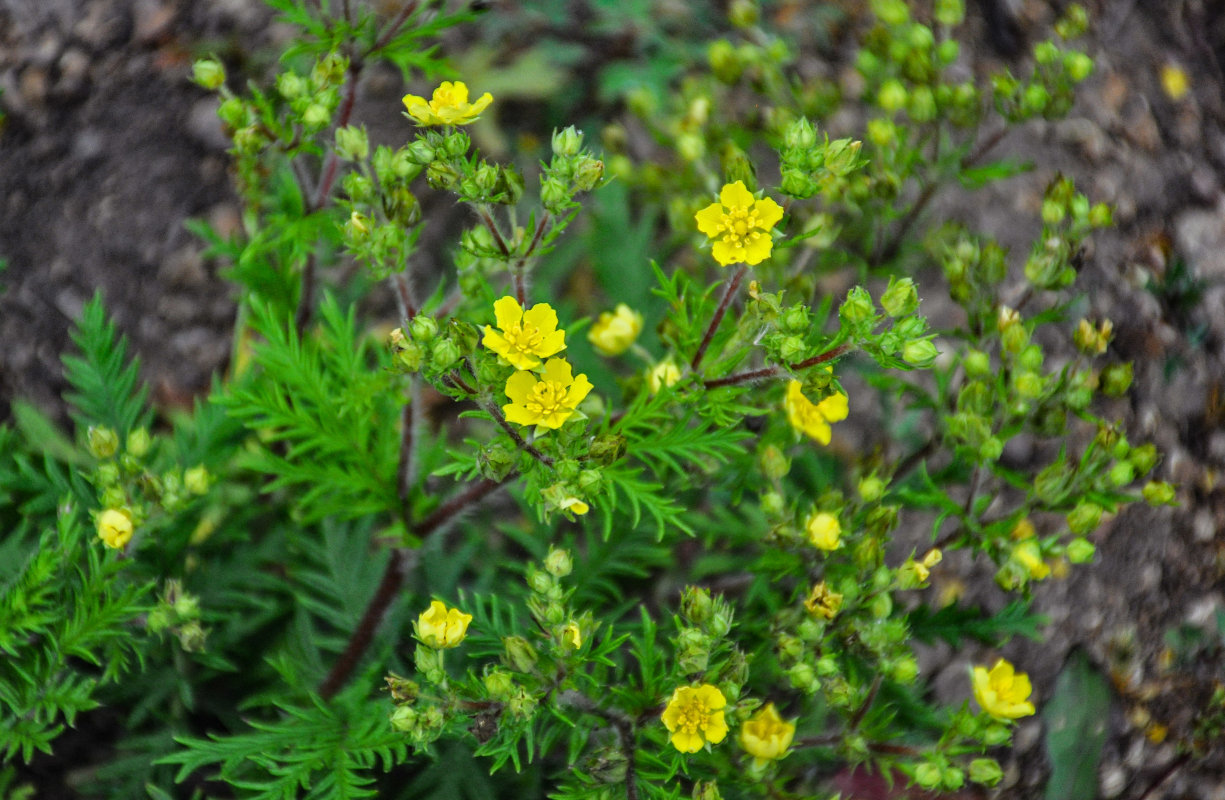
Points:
x=1080, y=551
x=518, y=654
x=192, y=637
x=891, y=12
x=352, y=143
x=102, y=441
x=196, y=480
x=588, y=173
x=802, y=677
x=857, y=307
x=1078, y=66
x=553, y=195
x=404, y=719
x=921, y=105
x=724, y=61
x=209, y=73
x=138, y=443
x=1122, y=473
x=567, y=142
x=359, y=188
x=774, y=463
x=900, y=298
x=705, y=790
x=1158, y=493
x=697, y=606
x=985, y=771
x=1116, y=379
x=800, y=135
x=871, y=488
x=744, y=13
x=692, y=651
x=842, y=156
x=558, y=563
x=402, y=689
x=919, y=352
x=443, y=354
x=316, y=116
x=927, y=775
x=892, y=96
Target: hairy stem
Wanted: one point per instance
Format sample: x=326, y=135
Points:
x=724, y=302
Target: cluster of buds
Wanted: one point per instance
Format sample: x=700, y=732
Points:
x=812, y=164
x=571, y=171
x=1051, y=90
x=426, y=347
x=179, y=613
x=702, y=649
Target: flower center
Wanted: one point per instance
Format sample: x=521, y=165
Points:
x=524, y=338
x=693, y=717
x=739, y=225
x=547, y=397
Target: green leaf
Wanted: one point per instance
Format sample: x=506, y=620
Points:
x=978, y=177
x=1076, y=728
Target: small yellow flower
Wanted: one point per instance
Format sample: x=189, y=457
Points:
x=441, y=627
x=526, y=336
x=694, y=717
x=1174, y=81
x=1002, y=692
x=115, y=527
x=614, y=332
x=665, y=373
x=813, y=419
x=1029, y=555
x=573, y=504
x=766, y=736
x=740, y=225
x=824, y=530
x=932, y=557
x=821, y=602
x=449, y=105
x=571, y=636
x=547, y=402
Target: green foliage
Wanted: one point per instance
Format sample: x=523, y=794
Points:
x=1076, y=718
x=106, y=386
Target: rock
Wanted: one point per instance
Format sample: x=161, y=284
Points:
x=1199, y=234
x=204, y=126
x=184, y=267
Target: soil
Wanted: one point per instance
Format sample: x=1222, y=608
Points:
x=108, y=150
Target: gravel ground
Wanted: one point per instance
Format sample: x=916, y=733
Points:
x=108, y=149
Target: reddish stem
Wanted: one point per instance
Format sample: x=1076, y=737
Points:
x=775, y=371
x=724, y=302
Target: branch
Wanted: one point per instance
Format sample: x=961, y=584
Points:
x=775, y=371
x=724, y=302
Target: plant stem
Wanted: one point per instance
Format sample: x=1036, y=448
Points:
x=387, y=35
x=724, y=302
x=775, y=371
x=393, y=580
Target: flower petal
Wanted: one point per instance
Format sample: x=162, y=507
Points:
x=709, y=219
x=555, y=342
x=508, y=312
x=768, y=213
x=541, y=316
x=578, y=390
x=481, y=104
x=519, y=414
x=411, y=100
x=686, y=742
x=834, y=408
x=716, y=728
x=725, y=253
x=758, y=250
x=519, y=386
x=558, y=370
x=736, y=195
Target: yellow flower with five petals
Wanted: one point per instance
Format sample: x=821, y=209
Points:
x=614, y=332
x=1002, y=691
x=813, y=419
x=441, y=627
x=115, y=527
x=526, y=337
x=739, y=225
x=694, y=717
x=448, y=106
x=547, y=401
x=766, y=736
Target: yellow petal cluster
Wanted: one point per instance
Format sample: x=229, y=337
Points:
x=1002, y=692
x=821, y=602
x=694, y=717
x=824, y=530
x=547, y=401
x=525, y=337
x=1028, y=554
x=614, y=332
x=441, y=627
x=766, y=736
x=813, y=419
x=739, y=225
x=448, y=106
x=115, y=528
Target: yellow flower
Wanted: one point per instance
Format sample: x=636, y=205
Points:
x=766, y=736
x=821, y=602
x=573, y=504
x=526, y=336
x=665, y=373
x=614, y=332
x=1029, y=555
x=115, y=528
x=441, y=627
x=813, y=419
x=1003, y=693
x=1174, y=81
x=694, y=717
x=824, y=531
x=740, y=225
x=449, y=105
x=571, y=636
x=547, y=402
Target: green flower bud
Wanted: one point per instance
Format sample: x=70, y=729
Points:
x=800, y=135
x=440, y=175
x=209, y=73
x=802, y=677
x=977, y=364
x=892, y=96
x=138, y=443
x=316, y=116
x=985, y=771
x=499, y=684
x=1084, y=518
x=558, y=562
x=352, y=143
x=192, y=637
x=196, y=480
x=420, y=152
x=486, y=179
x=1158, y=493
x=234, y=113
x=871, y=488
x=744, y=13
x=919, y=352
x=842, y=156
x=692, y=651
x=704, y=790
x=857, y=307
x=1116, y=379
x=1122, y=473
x=772, y=504
x=1101, y=216
x=1080, y=551
x=921, y=105
x=996, y=734
x=796, y=183
x=423, y=328
x=949, y=12
x=510, y=185
x=792, y=349
x=905, y=669
x=358, y=187
x=774, y=463
x=1078, y=66
x=697, y=606
x=927, y=775
x=724, y=61
x=900, y=298
x=553, y=195
x=443, y=354
x=588, y=173
x=891, y=12
x=457, y=144
x=947, y=51
x=404, y=719
x=567, y=142
x=518, y=654
x=402, y=689
x=102, y=441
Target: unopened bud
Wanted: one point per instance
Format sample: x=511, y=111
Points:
x=209, y=73
x=103, y=442
x=352, y=143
